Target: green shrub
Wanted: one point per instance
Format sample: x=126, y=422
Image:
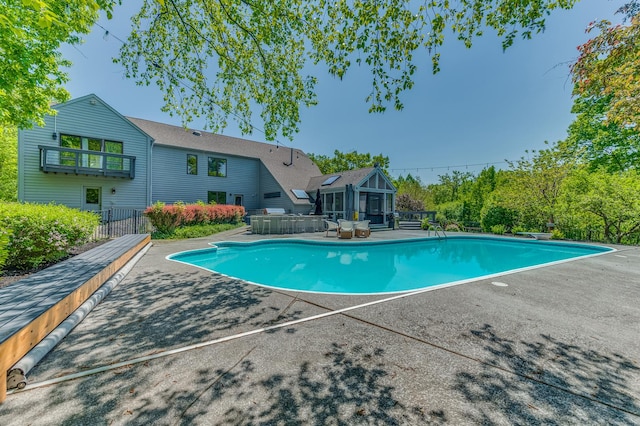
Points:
x=451, y=212
x=498, y=229
x=497, y=215
x=453, y=227
x=518, y=228
x=557, y=234
x=426, y=224
x=5, y=233
x=42, y=234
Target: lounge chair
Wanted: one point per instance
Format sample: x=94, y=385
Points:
x=362, y=229
x=346, y=229
x=331, y=226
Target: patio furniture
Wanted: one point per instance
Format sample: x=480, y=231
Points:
x=331, y=226
x=285, y=226
x=265, y=223
x=362, y=229
x=346, y=229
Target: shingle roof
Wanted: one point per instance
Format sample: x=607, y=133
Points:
x=274, y=158
x=353, y=177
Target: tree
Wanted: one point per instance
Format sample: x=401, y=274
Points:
x=8, y=164
x=614, y=198
x=607, y=67
x=602, y=143
x=533, y=187
x=451, y=186
x=31, y=70
x=417, y=194
x=342, y=161
x=224, y=59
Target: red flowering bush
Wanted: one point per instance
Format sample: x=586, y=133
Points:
x=166, y=218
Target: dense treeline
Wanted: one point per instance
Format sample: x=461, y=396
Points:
x=554, y=190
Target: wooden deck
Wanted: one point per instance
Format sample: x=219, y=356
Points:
x=31, y=308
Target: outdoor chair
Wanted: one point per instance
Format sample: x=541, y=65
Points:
x=331, y=226
x=362, y=229
x=346, y=229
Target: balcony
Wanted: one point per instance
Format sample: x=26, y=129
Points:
x=54, y=159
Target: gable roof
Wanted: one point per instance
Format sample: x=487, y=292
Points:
x=353, y=177
x=275, y=158
x=93, y=98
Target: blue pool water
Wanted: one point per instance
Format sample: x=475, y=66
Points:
x=377, y=267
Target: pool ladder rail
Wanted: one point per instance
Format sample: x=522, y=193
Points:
x=437, y=229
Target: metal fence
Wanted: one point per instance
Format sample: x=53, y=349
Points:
x=118, y=222
x=417, y=215
x=597, y=235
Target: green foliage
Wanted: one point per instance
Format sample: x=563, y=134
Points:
x=602, y=143
x=411, y=194
x=42, y=234
x=608, y=67
x=450, y=212
x=220, y=59
x=451, y=187
x=497, y=215
x=498, y=229
x=426, y=224
x=533, y=186
x=612, y=198
x=342, y=161
x=195, y=231
x=31, y=32
x=8, y=164
x=556, y=234
x=5, y=237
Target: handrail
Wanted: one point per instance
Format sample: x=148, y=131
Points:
x=79, y=161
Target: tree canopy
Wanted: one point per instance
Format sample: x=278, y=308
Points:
x=607, y=67
x=342, y=161
x=32, y=69
x=231, y=57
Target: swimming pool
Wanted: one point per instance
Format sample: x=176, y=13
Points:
x=378, y=267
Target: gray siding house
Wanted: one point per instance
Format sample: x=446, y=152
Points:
x=362, y=194
x=90, y=157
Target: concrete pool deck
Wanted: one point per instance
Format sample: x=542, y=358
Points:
x=556, y=345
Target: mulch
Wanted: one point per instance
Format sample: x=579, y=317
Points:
x=11, y=276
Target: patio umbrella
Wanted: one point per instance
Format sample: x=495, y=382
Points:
x=318, y=203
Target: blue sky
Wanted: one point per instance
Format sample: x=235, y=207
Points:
x=484, y=106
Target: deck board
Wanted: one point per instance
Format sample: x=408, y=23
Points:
x=32, y=307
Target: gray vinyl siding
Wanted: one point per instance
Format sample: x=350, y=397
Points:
x=83, y=118
x=171, y=182
x=268, y=184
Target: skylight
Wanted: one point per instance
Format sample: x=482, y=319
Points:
x=330, y=180
x=300, y=194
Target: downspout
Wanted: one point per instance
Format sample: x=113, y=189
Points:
x=150, y=173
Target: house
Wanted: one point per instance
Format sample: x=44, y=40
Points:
x=90, y=157
x=356, y=195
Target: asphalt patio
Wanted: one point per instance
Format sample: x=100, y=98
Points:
x=179, y=345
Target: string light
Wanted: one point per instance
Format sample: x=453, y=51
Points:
x=448, y=167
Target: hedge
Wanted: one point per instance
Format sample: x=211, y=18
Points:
x=40, y=234
x=166, y=218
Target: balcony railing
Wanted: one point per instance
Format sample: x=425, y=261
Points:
x=81, y=162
